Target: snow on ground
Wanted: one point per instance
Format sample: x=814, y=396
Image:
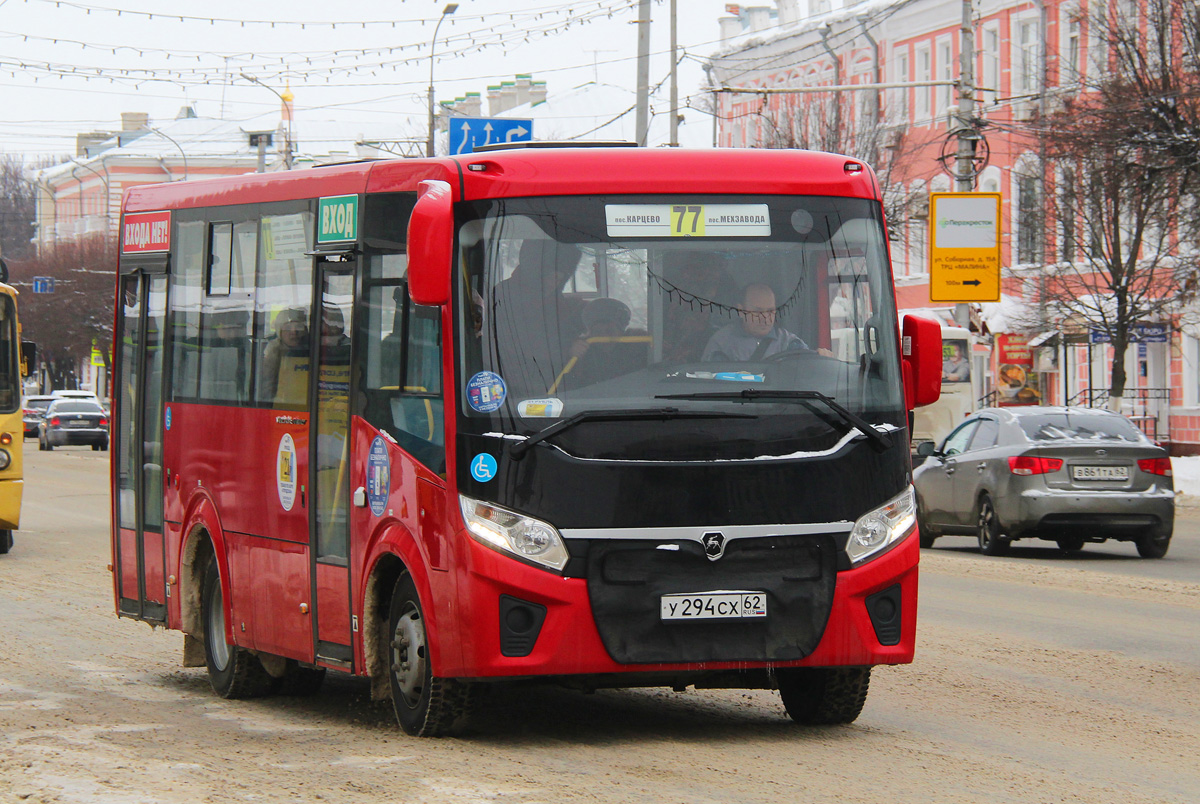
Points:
x=1186, y=472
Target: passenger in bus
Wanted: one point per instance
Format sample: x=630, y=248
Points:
x=756, y=335
x=696, y=292
x=607, y=349
x=955, y=367
x=533, y=324
x=286, y=361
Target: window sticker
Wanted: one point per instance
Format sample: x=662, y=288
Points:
x=728, y=376
x=379, y=476
x=486, y=392
x=285, y=472
x=548, y=408
x=688, y=220
x=483, y=467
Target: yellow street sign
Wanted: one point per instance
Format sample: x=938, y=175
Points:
x=964, y=247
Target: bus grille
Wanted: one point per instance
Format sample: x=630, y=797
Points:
x=626, y=580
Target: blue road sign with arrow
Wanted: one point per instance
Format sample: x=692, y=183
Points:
x=468, y=133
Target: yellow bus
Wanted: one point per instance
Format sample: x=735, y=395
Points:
x=12, y=427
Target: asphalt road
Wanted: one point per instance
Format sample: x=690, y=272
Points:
x=1037, y=679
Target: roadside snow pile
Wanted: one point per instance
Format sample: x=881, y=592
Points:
x=1186, y=472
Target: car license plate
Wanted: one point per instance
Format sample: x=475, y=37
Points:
x=714, y=606
x=1100, y=472
x=78, y=423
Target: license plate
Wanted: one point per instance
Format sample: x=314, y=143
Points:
x=714, y=606
x=1100, y=472
x=79, y=423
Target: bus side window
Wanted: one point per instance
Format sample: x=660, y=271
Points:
x=402, y=376
x=283, y=308
x=186, y=288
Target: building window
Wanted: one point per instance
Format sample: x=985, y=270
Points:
x=1070, y=61
x=1066, y=215
x=991, y=64
x=924, y=73
x=899, y=99
x=1029, y=220
x=1025, y=57
x=945, y=69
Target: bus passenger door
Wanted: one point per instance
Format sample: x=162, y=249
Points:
x=330, y=462
x=140, y=560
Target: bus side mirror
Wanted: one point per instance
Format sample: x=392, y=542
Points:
x=922, y=356
x=431, y=244
x=28, y=358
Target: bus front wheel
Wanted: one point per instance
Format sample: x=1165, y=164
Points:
x=425, y=706
x=6, y=541
x=233, y=672
x=822, y=696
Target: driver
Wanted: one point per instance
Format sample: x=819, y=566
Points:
x=755, y=336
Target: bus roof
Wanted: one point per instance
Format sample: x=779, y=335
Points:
x=538, y=172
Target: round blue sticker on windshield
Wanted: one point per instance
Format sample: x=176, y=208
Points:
x=486, y=392
x=379, y=476
x=483, y=467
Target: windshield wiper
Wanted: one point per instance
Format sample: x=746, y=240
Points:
x=755, y=395
x=517, y=451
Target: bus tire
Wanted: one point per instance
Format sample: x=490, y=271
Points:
x=234, y=672
x=425, y=706
x=823, y=696
x=6, y=541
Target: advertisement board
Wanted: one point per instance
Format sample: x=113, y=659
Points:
x=1016, y=380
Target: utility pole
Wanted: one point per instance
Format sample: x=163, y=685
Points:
x=964, y=158
x=964, y=162
x=643, y=72
x=674, y=143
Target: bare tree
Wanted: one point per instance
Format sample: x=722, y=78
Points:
x=16, y=208
x=79, y=313
x=1125, y=156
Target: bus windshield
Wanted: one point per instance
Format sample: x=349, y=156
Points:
x=10, y=362
x=694, y=304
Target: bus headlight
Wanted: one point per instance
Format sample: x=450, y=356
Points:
x=521, y=536
x=5, y=459
x=877, y=530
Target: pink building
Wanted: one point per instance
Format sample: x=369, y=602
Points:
x=1028, y=58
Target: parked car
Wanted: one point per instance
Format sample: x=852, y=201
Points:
x=73, y=421
x=1063, y=474
x=31, y=412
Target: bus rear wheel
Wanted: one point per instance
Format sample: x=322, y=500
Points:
x=425, y=706
x=6, y=541
x=233, y=672
x=823, y=696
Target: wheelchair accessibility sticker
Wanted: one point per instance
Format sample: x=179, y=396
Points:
x=483, y=467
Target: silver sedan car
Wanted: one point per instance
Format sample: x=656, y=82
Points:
x=1063, y=474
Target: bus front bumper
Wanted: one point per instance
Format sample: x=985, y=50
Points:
x=556, y=632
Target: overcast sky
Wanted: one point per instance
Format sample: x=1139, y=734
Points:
x=67, y=66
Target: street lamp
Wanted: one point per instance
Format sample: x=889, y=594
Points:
x=287, y=104
x=446, y=12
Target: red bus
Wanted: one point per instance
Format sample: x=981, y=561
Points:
x=607, y=417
